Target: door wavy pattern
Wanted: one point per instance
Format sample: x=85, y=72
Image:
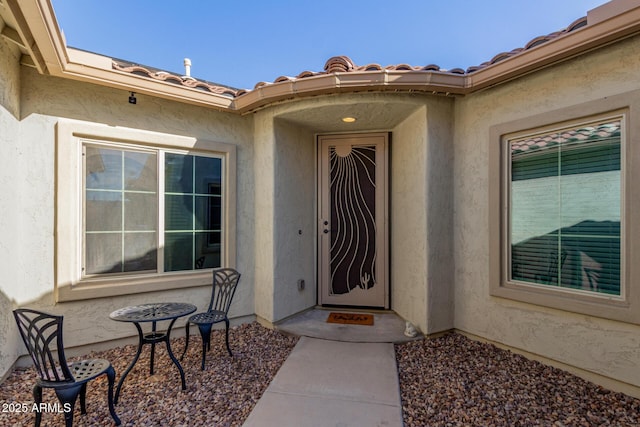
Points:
x=353, y=235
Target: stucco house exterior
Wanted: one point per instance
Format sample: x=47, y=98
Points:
x=499, y=201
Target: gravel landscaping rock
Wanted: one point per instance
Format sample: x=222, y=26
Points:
x=446, y=381
x=455, y=381
x=222, y=395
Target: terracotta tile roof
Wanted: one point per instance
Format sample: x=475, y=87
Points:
x=336, y=64
x=344, y=64
x=579, y=23
x=587, y=134
x=157, y=74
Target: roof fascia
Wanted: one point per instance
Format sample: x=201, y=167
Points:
x=40, y=30
x=606, y=24
x=94, y=68
x=33, y=36
x=355, y=81
x=599, y=31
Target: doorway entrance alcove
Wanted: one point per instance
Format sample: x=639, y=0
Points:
x=289, y=222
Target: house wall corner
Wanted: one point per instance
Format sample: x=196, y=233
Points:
x=10, y=144
x=421, y=212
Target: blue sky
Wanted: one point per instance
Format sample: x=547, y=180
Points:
x=240, y=43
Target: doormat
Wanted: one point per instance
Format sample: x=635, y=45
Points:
x=351, y=318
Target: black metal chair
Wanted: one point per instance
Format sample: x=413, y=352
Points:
x=225, y=281
x=40, y=331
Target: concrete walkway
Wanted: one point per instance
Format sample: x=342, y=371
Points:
x=332, y=383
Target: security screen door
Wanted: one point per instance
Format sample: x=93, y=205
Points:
x=352, y=228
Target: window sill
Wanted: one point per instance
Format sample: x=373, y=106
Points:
x=605, y=306
x=126, y=285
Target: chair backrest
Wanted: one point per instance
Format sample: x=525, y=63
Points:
x=225, y=281
x=40, y=332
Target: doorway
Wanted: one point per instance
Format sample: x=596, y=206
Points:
x=352, y=220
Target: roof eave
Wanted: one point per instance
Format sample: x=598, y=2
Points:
x=34, y=34
x=93, y=68
x=43, y=39
x=600, y=31
x=42, y=36
x=359, y=81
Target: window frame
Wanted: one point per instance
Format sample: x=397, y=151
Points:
x=70, y=285
x=507, y=202
x=626, y=306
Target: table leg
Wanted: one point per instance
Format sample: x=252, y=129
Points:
x=173, y=358
x=153, y=346
x=133, y=362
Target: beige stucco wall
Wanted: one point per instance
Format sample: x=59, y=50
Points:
x=285, y=217
x=593, y=344
x=440, y=259
x=409, y=219
x=28, y=177
x=11, y=192
x=295, y=225
x=421, y=216
x=264, y=160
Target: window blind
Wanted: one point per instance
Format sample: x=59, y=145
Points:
x=565, y=200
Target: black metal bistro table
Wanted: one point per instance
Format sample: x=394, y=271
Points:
x=152, y=313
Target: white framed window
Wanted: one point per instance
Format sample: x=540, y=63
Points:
x=562, y=207
x=140, y=211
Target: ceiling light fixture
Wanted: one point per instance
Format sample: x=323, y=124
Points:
x=348, y=119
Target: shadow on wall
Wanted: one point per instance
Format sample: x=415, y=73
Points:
x=583, y=256
x=11, y=345
x=9, y=338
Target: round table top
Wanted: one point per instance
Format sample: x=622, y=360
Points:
x=152, y=312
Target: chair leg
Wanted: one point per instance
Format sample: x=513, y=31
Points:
x=68, y=397
x=111, y=377
x=226, y=322
x=83, y=399
x=205, y=334
x=37, y=398
x=186, y=343
x=204, y=354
